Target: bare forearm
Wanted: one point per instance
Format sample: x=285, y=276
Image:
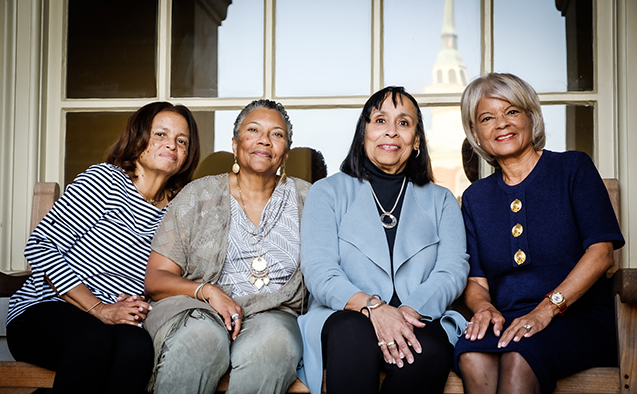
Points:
x=592, y=266
x=81, y=297
x=161, y=284
x=476, y=294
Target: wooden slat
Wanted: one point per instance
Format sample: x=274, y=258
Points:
x=45, y=194
x=627, y=342
x=17, y=390
x=454, y=385
x=594, y=380
x=19, y=374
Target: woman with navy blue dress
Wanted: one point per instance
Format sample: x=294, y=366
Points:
x=540, y=234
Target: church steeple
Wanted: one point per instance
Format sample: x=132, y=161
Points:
x=449, y=69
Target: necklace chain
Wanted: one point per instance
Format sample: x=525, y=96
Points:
x=385, y=214
x=259, y=266
x=151, y=201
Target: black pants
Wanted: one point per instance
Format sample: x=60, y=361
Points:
x=353, y=360
x=88, y=355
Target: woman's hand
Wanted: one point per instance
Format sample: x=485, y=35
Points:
x=395, y=332
x=528, y=325
x=127, y=310
x=477, y=327
x=411, y=316
x=226, y=306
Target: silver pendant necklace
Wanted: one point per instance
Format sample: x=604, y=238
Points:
x=259, y=266
x=388, y=215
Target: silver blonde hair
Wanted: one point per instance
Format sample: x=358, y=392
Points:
x=507, y=87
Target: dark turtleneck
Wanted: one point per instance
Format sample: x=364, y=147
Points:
x=387, y=186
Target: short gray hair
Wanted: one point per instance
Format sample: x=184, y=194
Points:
x=268, y=104
x=507, y=87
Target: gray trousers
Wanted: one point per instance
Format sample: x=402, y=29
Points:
x=263, y=358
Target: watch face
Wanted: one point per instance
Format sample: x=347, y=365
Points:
x=557, y=298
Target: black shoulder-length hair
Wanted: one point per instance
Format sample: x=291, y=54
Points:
x=134, y=140
x=418, y=169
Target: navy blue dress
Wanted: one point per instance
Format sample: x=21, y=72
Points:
x=564, y=208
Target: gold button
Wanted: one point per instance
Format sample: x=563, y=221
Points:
x=517, y=230
x=516, y=205
x=520, y=257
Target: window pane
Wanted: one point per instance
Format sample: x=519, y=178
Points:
x=332, y=139
x=445, y=135
x=550, y=48
x=114, y=59
x=206, y=127
x=241, y=50
x=323, y=48
x=428, y=47
x=217, y=48
x=88, y=137
x=569, y=127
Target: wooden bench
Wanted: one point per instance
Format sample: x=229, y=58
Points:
x=621, y=380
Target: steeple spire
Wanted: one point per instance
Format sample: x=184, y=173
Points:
x=449, y=27
x=449, y=68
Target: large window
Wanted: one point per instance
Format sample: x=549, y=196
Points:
x=322, y=60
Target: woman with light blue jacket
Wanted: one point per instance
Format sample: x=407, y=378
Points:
x=383, y=255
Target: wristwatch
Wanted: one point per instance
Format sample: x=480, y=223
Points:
x=556, y=298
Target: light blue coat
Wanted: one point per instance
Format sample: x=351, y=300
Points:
x=344, y=251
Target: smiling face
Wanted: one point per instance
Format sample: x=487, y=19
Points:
x=390, y=136
x=262, y=145
x=167, y=148
x=502, y=129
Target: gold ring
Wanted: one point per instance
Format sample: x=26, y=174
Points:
x=381, y=343
x=390, y=344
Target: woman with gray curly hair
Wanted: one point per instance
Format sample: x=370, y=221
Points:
x=540, y=236
x=224, y=273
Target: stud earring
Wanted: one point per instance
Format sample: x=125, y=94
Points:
x=235, y=167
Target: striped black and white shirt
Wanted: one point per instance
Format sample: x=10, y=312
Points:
x=97, y=234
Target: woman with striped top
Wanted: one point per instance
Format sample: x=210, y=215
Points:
x=224, y=271
x=81, y=310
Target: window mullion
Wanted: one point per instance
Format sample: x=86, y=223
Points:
x=377, y=45
x=269, y=66
x=164, y=25
x=486, y=66
x=486, y=16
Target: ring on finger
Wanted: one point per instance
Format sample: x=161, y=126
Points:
x=235, y=316
x=390, y=344
x=527, y=327
x=381, y=343
x=468, y=323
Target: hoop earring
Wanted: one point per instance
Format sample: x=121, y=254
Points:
x=418, y=153
x=235, y=167
x=284, y=176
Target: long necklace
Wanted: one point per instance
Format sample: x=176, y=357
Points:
x=388, y=215
x=259, y=267
x=151, y=201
